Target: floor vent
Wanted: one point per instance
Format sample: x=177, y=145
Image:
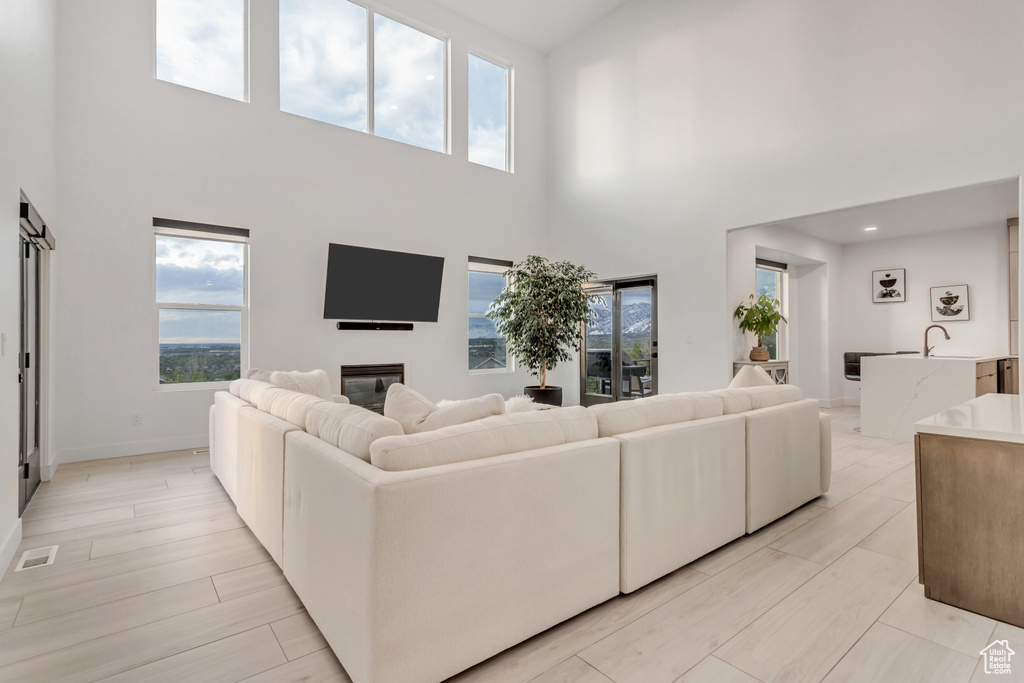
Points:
x=201, y=451
x=40, y=557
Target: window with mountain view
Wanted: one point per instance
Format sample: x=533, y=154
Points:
x=770, y=283
x=201, y=302
x=201, y=44
x=487, y=348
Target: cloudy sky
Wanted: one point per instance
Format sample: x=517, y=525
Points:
x=194, y=271
x=201, y=44
x=323, y=56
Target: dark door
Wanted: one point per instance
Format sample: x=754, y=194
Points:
x=28, y=462
x=620, y=348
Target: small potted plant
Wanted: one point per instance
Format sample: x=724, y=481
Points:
x=761, y=316
x=542, y=314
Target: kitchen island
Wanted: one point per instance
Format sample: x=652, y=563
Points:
x=969, y=468
x=899, y=390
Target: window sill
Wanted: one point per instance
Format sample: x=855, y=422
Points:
x=193, y=386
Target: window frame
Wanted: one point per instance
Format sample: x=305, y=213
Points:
x=492, y=268
x=209, y=235
x=373, y=8
x=782, y=294
x=246, y=66
x=509, y=105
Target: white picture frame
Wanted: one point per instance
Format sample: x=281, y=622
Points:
x=889, y=286
x=950, y=303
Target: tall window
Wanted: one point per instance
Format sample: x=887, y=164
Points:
x=202, y=44
x=345, y=65
x=487, y=349
x=489, y=99
x=771, y=280
x=201, y=302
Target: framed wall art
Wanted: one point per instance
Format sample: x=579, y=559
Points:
x=889, y=286
x=950, y=303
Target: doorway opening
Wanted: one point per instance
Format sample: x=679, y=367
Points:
x=619, y=359
x=34, y=241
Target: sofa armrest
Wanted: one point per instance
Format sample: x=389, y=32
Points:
x=414, y=576
x=340, y=398
x=825, y=435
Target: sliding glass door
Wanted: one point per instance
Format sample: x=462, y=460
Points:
x=620, y=349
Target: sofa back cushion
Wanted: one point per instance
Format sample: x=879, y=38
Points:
x=348, y=427
x=249, y=390
x=753, y=398
x=632, y=416
x=489, y=437
x=315, y=382
x=290, y=406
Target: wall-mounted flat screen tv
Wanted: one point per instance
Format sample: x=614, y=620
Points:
x=379, y=285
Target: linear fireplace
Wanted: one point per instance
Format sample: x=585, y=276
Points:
x=367, y=385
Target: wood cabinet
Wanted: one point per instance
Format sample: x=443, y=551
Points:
x=970, y=518
x=987, y=378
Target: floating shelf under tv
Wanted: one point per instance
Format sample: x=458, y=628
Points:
x=370, y=325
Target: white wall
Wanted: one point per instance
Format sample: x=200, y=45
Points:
x=671, y=122
x=132, y=148
x=977, y=258
x=812, y=276
x=27, y=138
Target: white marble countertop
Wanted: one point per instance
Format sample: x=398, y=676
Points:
x=995, y=417
x=920, y=356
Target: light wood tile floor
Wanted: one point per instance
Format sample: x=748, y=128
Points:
x=157, y=579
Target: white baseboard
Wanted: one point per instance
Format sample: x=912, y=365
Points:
x=853, y=401
x=10, y=547
x=120, y=450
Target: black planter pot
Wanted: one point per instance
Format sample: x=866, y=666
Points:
x=549, y=396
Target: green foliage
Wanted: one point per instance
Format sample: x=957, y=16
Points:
x=542, y=312
x=761, y=316
x=186, y=363
x=637, y=352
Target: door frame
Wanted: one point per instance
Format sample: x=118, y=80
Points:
x=618, y=286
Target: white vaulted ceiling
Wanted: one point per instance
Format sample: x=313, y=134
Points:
x=540, y=24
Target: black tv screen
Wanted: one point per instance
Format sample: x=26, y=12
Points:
x=374, y=284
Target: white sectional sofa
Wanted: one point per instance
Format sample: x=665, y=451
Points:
x=701, y=469
x=419, y=555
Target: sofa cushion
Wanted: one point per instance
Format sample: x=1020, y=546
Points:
x=258, y=374
x=314, y=382
x=408, y=407
x=290, y=406
x=497, y=435
x=348, y=427
x=249, y=390
x=766, y=397
x=416, y=413
x=460, y=412
x=632, y=416
x=733, y=400
x=751, y=376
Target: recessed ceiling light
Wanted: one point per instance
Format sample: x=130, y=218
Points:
x=871, y=229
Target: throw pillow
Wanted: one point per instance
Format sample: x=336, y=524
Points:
x=751, y=376
x=316, y=382
x=524, y=404
x=407, y=406
x=460, y=412
x=258, y=374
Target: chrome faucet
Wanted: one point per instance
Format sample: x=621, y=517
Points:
x=929, y=348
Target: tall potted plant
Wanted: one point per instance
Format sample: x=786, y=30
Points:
x=541, y=314
x=761, y=316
